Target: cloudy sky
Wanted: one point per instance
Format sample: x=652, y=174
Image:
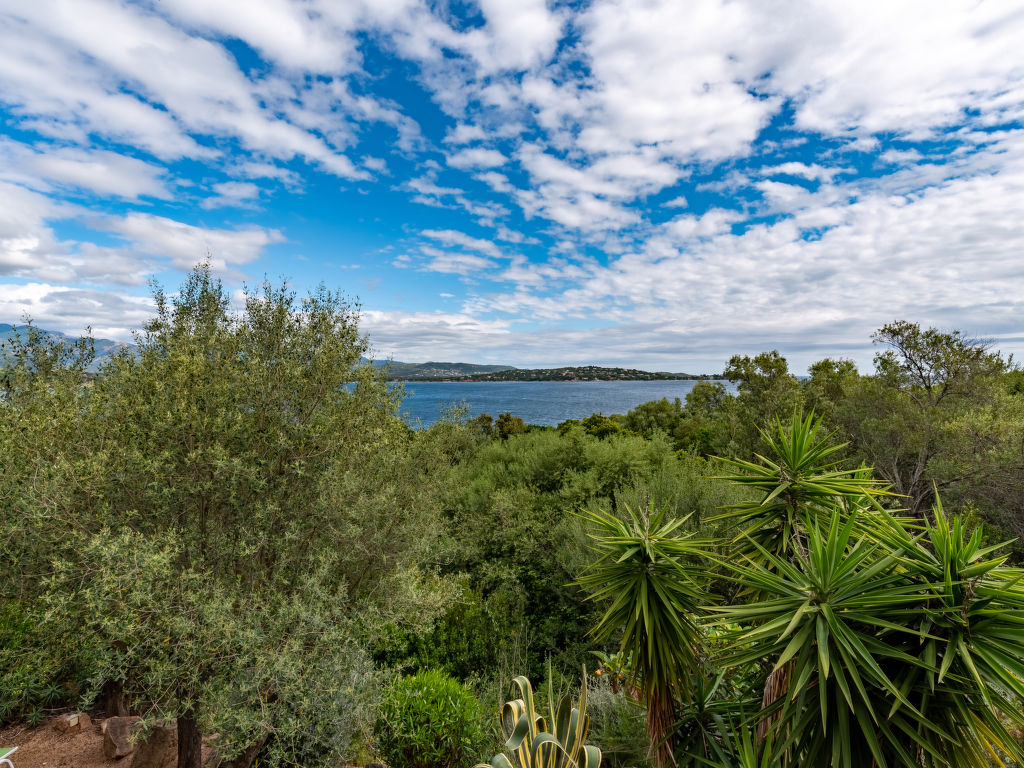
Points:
x=650, y=183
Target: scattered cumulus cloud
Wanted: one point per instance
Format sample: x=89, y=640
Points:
x=477, y=158
x=616, y=177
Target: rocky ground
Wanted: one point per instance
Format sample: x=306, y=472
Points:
x=47, y=746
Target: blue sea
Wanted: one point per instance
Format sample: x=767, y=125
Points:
x=535, y=402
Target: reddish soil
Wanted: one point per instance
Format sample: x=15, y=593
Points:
x=46, y=747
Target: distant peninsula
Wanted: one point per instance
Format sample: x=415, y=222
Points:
x=566, y=373
x=432, y=371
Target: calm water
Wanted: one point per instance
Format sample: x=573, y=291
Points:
x=536, y=402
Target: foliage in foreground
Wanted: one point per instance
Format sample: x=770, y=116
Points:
x=886, y=643
x=429, y=720
x=236, y=514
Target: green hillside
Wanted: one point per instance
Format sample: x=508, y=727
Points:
x=568, y=373
x=432, y=371
x=104, y=347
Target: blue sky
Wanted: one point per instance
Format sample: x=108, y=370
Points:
x=647, y=183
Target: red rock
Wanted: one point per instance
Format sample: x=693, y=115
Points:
x=117, y=741
x=159, y=749
x=72, y=722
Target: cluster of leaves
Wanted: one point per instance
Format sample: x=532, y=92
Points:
x=518, y=582
x=863, y=638
x=430, y=720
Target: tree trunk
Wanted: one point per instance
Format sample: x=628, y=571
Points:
x=775, y=687
x=661, y=717
x=190, y=742
x=112, y=699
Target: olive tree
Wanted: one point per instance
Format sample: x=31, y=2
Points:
x=934, y=416
x=245, y=513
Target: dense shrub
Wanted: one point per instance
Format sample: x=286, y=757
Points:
x=430, y=720
x=36, y=671
x=617, y=726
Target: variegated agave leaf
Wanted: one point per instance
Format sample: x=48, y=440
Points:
x=533, y=746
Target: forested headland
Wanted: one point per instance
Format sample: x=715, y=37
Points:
x=230, y=527
x=566, y=373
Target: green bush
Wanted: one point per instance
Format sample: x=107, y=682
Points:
x=430, y=720
x=617, y=726
x=37, y=669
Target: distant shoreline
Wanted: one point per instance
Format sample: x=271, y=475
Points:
x=531, y=381
x=489, y=379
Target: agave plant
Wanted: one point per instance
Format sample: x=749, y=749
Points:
x=530, y=742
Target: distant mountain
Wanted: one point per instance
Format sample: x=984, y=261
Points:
x=104, y=347
x=439, y=371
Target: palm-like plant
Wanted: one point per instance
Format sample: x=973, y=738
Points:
x=970, y=652
x=645, y=571
x=890, y=646
x=801, y=483
x=890, y=643
x=834, y=622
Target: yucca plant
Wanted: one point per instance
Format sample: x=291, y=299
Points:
x=704, y=732
x=969, y=678
x=836, y=623
x=801, y=482
x=800, y=486
x=747, y=753
x=646, y=569
x=530, y=742
x=905, y=651
x=887, y=643
x=891, y=645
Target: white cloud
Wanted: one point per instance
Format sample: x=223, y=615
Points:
x=97, y=171
x=78, y=59
x=450, y=237
x=286, y=32
x=454, y=263
x=477, y=158
x=909, y=68
x=71, y=310
x=519, y=35
x=674, y=75
x=419, y=335
x=232, y=194
x=812, y=172
x=465, y=133
x=186, y=245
